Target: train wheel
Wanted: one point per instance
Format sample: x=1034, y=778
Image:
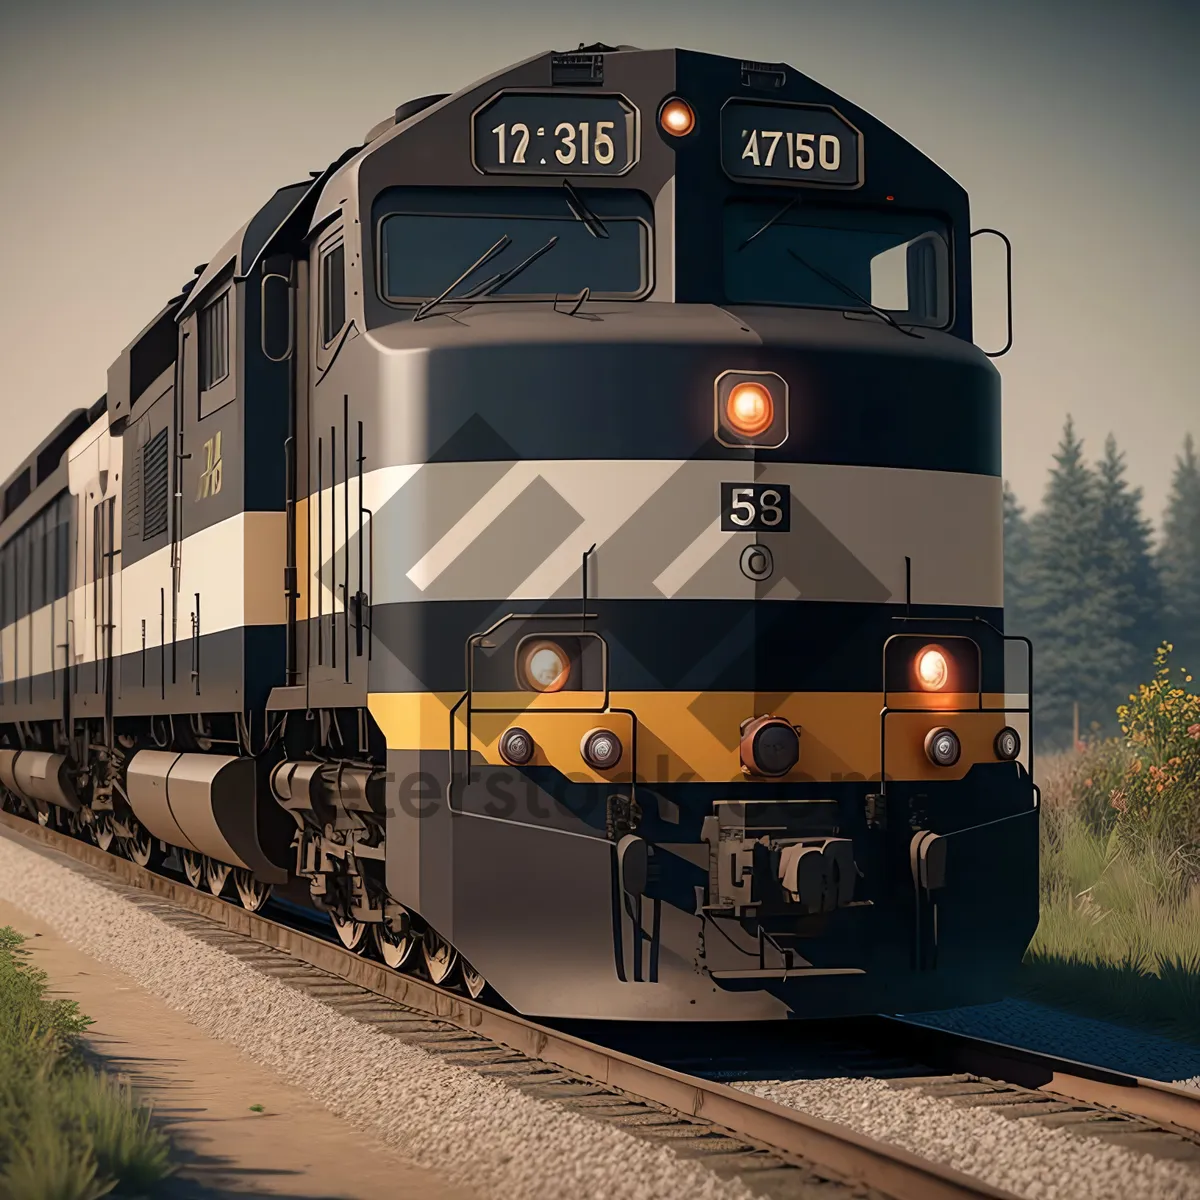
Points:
x=395, y=946
x=216, y=875
x=251, y=893
x=101, y=830
x=472, y=980
x=142, y=849
x=351, y=933
x=193, y=867
x=441, y=958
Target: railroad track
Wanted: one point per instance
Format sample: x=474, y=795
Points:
x=664, y=1091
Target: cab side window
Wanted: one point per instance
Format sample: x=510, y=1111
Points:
x=214, y=342
x=217, y=350
x=333, y=291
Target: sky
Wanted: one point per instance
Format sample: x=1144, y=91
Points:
x=137, y=135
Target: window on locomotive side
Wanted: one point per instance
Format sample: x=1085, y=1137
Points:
x=846, y=259
x=428, y=237
x=214, y=342
x=333, y=293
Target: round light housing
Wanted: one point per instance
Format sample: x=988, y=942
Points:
x=749, y=409
x=677, y=117
x=601, y=749
x=933, y=668
x=770, y=746
x=545, y=666
x=1007, y=744
x=516, y=747
x=942, y=747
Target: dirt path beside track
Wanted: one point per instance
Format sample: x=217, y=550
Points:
x=204, y=1089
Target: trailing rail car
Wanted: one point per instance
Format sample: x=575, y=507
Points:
x=561, y=542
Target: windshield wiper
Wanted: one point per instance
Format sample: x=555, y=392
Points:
x=579, y=207
x=847, y=290
x=495, y=284
x=783, y=212
x=425, y=309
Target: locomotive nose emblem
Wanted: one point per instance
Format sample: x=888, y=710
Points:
x=757, y=563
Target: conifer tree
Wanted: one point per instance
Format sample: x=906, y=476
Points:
x=1066, y=601
x=1016, y=563
x=1179, y=560
x=1132, y=618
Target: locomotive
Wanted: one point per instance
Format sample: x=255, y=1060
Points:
x=561, y=543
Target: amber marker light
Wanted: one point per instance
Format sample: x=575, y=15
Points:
x=933, y=671
x=677, y=117
x=749, y=409
x=545, y=666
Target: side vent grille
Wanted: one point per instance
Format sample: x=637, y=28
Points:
x=762, y=77
x=577, y=69
x=154, y=486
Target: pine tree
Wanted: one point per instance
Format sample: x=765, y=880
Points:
x=1132, y=617
x=1179, y=560
x=1016, y=563
x=1066, y=603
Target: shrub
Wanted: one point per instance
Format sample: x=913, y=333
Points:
x=1160, y=796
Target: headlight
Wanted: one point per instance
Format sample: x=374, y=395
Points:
x=677, y=117
x=770, y=746
x=601, y=749
x=933, y=668
x=516, y=747
x=1007, y=744
x=942, y=747
x=749, y=409
x=544, y=666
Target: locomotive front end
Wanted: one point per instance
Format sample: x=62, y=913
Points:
x=678, y=487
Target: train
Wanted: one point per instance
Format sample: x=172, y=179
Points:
x=560, y=544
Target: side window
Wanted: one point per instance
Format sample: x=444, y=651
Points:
x=333, y=292
x=62, y=547
x=37, y=564
x=214, y=342
x=217, y=336
x=22, y=572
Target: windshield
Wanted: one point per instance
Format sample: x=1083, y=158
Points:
x=899, y=262
x=429, y=236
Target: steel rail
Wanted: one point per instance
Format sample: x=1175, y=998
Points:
x=894, y=1171
x=1050, y=1073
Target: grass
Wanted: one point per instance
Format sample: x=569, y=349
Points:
x=67, y=1132
x=1119, y=936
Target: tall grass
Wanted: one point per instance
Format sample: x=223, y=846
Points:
x=67, y=1132
x=1119, y=935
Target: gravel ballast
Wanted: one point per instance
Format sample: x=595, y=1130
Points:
x=1018, y=1155
x=476, y=1131
x=1085, y=1039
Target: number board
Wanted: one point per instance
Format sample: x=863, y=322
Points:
x=540, y=133
x=790, y=143
x=756, y=507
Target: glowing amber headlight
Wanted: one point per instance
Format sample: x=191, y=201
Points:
x=677, y=117
x=750, y=409
x=545, y=666
x=933, y=669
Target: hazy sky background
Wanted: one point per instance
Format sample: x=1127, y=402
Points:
x=137, y=135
